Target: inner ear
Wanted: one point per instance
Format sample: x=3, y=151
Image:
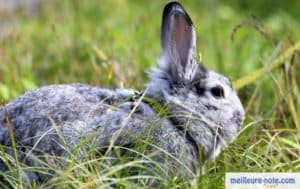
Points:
x=177, y=35
x=178, y=40
x=182, y=36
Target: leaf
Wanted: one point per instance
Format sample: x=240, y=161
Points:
x=252, y=77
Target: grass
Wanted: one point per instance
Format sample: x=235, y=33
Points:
x=113, y=43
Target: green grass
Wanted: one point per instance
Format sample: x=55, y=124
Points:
x=113, y=43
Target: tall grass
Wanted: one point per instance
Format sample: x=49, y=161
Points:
x=113, y=43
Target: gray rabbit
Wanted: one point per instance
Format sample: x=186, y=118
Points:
x=187, y=111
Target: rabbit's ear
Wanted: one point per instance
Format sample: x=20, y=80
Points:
x=178, y=40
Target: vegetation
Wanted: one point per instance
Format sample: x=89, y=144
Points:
x=113, y=43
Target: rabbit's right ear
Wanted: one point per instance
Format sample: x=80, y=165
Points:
x=178, y=41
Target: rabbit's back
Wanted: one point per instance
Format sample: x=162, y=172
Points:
x=41, y=118
x=52, y=119
x=60, y=109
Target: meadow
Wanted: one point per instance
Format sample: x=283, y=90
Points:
x=113, y=44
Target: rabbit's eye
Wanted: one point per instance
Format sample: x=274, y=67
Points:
x=217, y=92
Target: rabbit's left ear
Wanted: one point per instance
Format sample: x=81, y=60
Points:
x=178, y=40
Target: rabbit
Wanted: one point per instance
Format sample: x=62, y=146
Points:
x=202, y=111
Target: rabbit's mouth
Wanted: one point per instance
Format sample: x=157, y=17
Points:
x=210, y=131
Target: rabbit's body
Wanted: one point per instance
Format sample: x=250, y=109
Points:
x=54, y=119
x=203, y=112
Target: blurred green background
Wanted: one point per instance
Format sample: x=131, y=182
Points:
x=113, y=44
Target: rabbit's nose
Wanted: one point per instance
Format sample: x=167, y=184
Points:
x=238, y=119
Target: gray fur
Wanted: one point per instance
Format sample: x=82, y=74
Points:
x=53, y=119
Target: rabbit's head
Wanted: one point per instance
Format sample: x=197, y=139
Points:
x=201, y=103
